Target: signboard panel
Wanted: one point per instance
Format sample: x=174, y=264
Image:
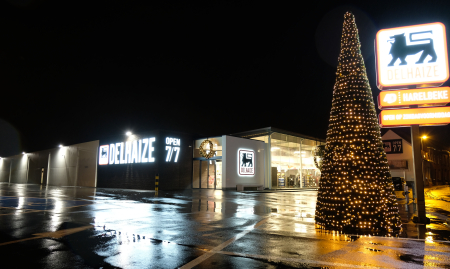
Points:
x=246, y=162
x=405, y=98
x=137, y=151
x=412, y=55
x=415, y=116
x=398, y=164
x=103, y=155
x=393, y=146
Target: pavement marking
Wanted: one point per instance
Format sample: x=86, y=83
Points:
x=15, y=212
x=56, y=234
x=39, y=203
x=285, y=259
x=35, y=210
x=213, y=251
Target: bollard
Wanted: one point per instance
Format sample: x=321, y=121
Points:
x=406, y=194
x=156, y=182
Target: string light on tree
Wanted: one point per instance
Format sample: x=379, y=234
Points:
x=356, y=191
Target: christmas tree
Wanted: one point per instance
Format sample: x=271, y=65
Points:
x=356, y=193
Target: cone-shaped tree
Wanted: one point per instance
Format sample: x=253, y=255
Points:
x=356, y=190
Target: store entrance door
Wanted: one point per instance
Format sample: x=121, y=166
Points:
x=208, y=174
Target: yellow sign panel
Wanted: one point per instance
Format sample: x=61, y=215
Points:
x=404, y=98
x=415, y=116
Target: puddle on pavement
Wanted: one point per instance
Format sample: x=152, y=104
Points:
x=374, y=250
x=411, y=258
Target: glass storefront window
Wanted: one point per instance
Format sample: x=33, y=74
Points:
x=293, y=159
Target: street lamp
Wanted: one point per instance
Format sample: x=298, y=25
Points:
x=128, y=133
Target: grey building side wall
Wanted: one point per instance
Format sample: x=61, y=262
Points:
x=37, y=161
x=19, y=169
x=5, y=168
x=61, y=169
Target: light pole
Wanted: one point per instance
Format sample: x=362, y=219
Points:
x=423, y=158
x=418, y=177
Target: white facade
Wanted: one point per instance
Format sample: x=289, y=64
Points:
x=407, y=155
x=230, y=159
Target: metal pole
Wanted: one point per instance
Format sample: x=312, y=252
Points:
x=418, y=175
x=28, y=167
x=10, y=170
x=269, y=160
x=301, y=164
x=48, y=170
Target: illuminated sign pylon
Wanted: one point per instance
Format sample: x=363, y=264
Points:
x=409, y=58
x=415, y=116
x=422, y=97
x=412, y=55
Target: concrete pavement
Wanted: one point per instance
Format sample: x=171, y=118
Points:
x=67, y=227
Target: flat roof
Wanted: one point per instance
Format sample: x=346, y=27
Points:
x=270, y=130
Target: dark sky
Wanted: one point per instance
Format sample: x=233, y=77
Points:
x=74, y=71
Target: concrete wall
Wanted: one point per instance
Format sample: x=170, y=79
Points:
x=231, y=146
x=5, y=168
x=408, y=174
x=62, y=166
x=66, y=168
x=19, y=168
x=37, y=161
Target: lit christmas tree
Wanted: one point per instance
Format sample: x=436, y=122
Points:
x=356, y=193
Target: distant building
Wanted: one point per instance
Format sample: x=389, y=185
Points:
x=436, y=168
x=435, y=158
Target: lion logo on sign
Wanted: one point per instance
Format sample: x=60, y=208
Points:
x=400, y=50
x=246, y=160
x=104, y=153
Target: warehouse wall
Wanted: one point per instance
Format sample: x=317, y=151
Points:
x=5, y=168
x=19, y=168
x=74, y=165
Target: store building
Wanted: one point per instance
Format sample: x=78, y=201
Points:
x=292, y=160
x=269, y=158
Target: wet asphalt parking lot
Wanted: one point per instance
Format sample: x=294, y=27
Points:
x=76, y=227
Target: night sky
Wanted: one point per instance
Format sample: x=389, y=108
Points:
x=77, y=71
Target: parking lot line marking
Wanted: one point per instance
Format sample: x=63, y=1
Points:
x=213, y=251
x=35, y=210
x=276, y=258
x=56, y=234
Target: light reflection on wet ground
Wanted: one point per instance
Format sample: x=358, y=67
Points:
x=141, y=229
